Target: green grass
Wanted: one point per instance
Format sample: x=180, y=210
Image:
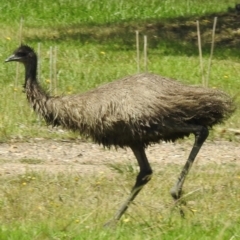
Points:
x=43, y=13
x=69, y=206
x=96, y=44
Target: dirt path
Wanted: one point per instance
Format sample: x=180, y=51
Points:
x=84, y=157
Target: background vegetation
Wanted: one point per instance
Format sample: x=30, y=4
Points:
x=95, y=43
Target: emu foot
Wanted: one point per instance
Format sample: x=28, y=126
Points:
x=185, y=210
x=181, y=205
x=179, y=202
x=111, y=223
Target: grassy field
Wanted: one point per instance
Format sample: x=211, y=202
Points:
x=95, y=43
x=69, y=206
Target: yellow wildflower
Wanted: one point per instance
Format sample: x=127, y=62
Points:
x=126, y=220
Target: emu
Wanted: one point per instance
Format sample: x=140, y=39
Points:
x=133, y=112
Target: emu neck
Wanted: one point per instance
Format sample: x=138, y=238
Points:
x=36, y=96
x=31, y=71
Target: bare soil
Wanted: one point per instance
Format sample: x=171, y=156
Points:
x=84, y=157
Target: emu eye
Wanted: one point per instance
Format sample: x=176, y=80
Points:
x=21, y=54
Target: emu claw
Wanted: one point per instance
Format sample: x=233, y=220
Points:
x=183, y=208
x=182, y=212
x=180, y=204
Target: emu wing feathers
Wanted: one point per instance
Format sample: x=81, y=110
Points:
x=145, y=107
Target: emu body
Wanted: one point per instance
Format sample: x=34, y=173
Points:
x=134, y=112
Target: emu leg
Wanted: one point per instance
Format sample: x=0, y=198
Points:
x=143, y=177
x=201, y=134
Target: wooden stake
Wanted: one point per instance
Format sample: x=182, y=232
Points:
x=137, y=47
x=21, y=30
x=55, y=70
x=39, y=75
x=145, y=54
x=50, y=69
x=200, y=53
x=212, y=48
x=39, y=62
x=17, y=65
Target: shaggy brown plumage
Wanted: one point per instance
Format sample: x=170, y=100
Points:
x=131, y=112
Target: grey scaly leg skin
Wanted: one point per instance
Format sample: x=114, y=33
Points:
x=143, y=177
x=201, y=134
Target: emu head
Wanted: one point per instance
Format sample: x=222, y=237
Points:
x=23, y=54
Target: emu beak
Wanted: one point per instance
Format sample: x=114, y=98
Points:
x=12, y=58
